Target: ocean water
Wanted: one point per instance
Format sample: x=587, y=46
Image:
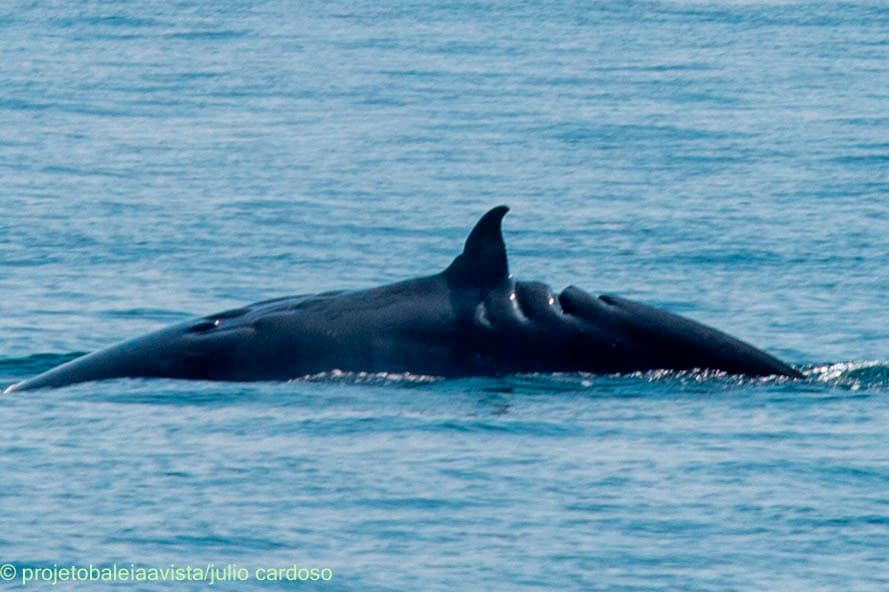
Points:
x=728, y=160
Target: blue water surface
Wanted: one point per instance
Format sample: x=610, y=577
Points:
x=728, y=160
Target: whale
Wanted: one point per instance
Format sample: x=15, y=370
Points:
x=471, y=319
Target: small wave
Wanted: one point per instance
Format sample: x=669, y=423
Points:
x=854, y=376
x=371, y=378
x=847, y=375
x=851, y=375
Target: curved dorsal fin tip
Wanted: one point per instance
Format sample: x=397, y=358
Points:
x=483, y=262
x=486, y=230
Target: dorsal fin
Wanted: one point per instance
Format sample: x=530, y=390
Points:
x=483, y=261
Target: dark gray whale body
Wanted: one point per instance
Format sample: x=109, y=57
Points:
x=472, y=319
